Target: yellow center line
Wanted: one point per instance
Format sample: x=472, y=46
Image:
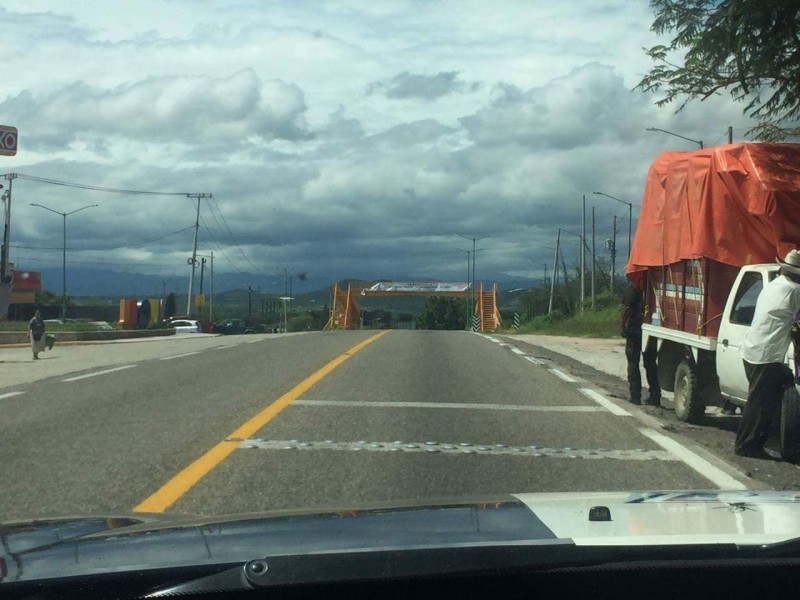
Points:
x=181, y=483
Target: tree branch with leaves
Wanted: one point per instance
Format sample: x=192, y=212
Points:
x=748, y=48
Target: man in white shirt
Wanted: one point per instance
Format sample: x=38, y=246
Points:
x=763, y=351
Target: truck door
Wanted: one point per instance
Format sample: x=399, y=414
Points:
x=735, y=323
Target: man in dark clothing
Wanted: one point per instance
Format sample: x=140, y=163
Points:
x=632, y=317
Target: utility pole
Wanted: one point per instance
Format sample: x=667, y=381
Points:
x=613, y=253
x=469, y=286
x=730, y=134
x=5, y=260
x=285, y=314
x=211, y=303
x=202, y=272
x=249, y=301
x=555, y=274
x=193, y=261
x=630, y=217
x=583, y=253
x=594, y=261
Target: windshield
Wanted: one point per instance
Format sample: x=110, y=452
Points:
x=418, y=251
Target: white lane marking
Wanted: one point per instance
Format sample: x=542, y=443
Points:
x=605, y=402
x=179, y=355
x=534, y=360
x=451, y=405
x=223, y=347
x=252, y=342
x=517, y=351
x=495, y=340
x=98, y=373
x=10, y=395
x=459, y=448
x=563, y=376
x=714, y=474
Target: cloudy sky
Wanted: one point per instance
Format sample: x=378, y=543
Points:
x=344, y=139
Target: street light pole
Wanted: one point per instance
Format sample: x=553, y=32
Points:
x=64, y=251
x=469, y=306
x=699, y=142
x=630, y=218
x=474, y=252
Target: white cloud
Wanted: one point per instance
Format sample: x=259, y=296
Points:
x=165, y=109
x=484, y=118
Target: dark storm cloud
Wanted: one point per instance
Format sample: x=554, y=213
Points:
x=414, y=85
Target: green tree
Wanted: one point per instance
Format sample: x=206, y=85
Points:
x=47, y=298
x=749, y=48
x=443, y=313
x=169, y=305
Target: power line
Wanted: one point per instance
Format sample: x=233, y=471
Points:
x=95, y=188
x=219, y=247
x=230, y=233
x=91, y=262
x=98, y=248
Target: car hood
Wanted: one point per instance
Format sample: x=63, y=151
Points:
x=46, y=549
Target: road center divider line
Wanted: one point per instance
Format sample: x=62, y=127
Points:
x=179, y=355
x=181, y=483
x=10, y=395
x=98, y=373
x=714, y=474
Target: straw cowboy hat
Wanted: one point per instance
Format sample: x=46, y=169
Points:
x=791, y=263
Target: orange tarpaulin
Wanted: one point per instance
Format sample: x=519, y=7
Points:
x=736, y=204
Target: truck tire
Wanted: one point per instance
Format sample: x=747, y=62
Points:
x=690, y=403
x=790, y=425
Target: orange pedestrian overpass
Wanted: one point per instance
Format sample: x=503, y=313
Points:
x=346, y=313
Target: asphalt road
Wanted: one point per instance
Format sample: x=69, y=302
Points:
x=335, y=419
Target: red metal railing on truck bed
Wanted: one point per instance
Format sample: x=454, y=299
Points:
x=689, y=295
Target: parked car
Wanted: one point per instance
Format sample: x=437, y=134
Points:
x=234, y=326
x=186, y=326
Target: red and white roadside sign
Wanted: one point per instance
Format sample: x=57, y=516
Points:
x=8, y=140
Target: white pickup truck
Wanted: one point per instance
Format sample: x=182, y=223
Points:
x=703, y=371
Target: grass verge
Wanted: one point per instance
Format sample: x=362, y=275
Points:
x=602, y=323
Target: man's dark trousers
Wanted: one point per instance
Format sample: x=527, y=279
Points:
x=764, y=397
x=633, y=349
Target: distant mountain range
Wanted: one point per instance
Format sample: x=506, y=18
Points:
x=107, y=283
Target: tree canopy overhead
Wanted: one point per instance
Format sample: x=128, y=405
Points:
x=748, y=48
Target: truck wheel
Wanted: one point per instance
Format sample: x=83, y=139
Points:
x=690, y=404
x=790, y=425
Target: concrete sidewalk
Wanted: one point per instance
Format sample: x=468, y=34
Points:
x=18, y=367
x=605, y=355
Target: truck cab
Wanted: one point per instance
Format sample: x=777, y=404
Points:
x=735, y=322
x=703, y=370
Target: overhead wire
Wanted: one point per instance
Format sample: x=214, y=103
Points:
x=95, y=188
x=230, y=233
x=99, y=248
x=219, y=247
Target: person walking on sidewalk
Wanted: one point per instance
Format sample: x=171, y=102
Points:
x=632, y=317
x=763, y=351
x=36, y=327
